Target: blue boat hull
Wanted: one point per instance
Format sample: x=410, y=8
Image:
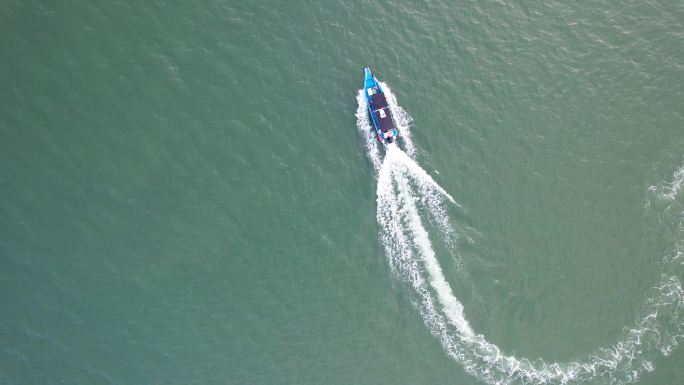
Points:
x=383, y=124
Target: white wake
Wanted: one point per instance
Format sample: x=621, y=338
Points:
x=410, y=202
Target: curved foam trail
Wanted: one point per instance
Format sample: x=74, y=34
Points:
x=407, y=243
x=403, y=186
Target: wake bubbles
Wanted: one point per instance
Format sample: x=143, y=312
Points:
x=408, y=200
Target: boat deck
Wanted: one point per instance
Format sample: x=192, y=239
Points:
x=384, y=119
x=378, y=101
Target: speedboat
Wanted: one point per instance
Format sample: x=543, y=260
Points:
x=378, y=108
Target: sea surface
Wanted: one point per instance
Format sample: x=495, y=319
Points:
x=189, y=193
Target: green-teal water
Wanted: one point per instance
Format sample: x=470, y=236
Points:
x=185, y=197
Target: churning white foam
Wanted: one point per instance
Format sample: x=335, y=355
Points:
x=669, y=190
x=408, y=198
